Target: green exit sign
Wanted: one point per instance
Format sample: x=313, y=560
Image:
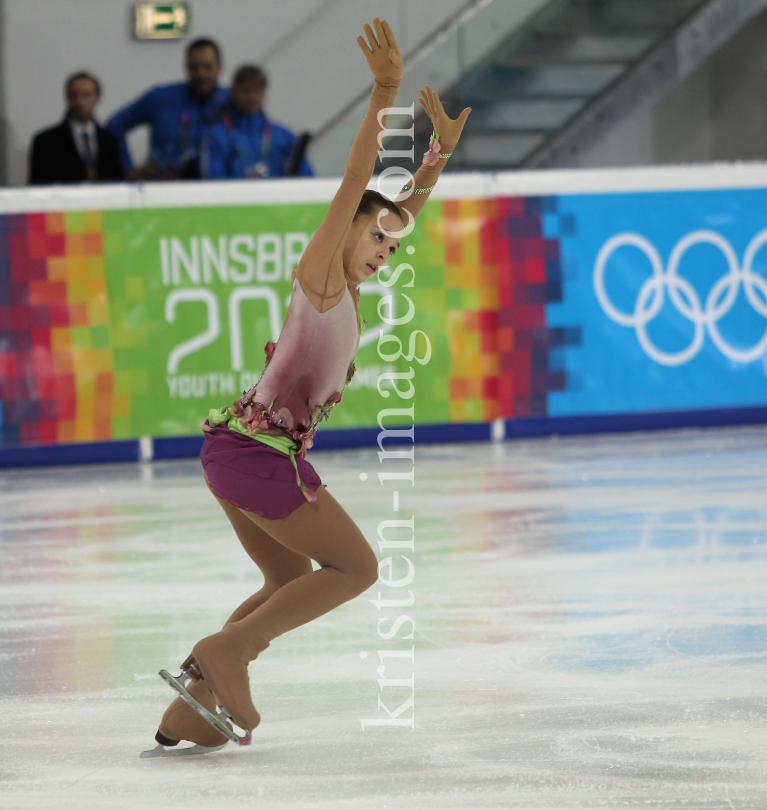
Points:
x=162, y=21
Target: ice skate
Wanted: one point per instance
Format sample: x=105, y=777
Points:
x=218, y=659
x=220, y=721
x=182, y=723
x=166, y=748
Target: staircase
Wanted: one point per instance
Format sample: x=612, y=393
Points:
x=550, y=84
x=544, y=76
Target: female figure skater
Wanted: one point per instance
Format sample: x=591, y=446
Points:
x=254, y=452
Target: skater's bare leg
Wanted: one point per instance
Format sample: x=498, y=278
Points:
x=348, y=566
x=279, y=565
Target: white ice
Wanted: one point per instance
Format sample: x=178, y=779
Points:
x=590, y=632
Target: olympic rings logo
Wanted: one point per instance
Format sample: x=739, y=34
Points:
x=683, y=295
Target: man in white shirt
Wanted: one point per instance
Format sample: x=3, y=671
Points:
x=78, y=149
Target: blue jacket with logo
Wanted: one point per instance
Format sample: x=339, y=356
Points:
x=240, y=146
x=177, y=117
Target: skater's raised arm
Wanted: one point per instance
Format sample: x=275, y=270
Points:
x=411, y=201
x=321, y=269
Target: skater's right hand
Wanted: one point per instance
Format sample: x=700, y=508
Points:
x=382, y=53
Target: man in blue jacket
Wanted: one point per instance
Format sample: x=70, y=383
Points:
x=177, y=114
x=244, y=143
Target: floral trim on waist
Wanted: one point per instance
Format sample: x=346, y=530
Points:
x=255, y=416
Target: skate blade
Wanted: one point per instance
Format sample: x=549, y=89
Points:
x=215, y=720
x=162, y=751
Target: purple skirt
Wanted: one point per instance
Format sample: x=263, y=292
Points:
x=252, y=475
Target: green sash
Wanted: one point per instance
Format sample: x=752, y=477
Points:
x=220, y=416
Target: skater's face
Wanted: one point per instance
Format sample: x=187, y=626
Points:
x=369, y=245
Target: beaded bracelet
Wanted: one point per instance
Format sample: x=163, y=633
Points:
x=445, y=156
x=419, y=190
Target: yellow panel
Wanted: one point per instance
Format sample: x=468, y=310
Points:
x=120, y=405
x=77, y=292
x=102, y=360
x=94, y=266
x=61, y=338
x=471, y=345
x=470, y=274
x=455, y=336
x=434, y=231
x=92, y=220
x=460, y=366
x=473, y=410
x=98, y=313
x=453, y=275
x=471, y=255
x=77, y=268
x=488, y=297
x=457, y=410
x=84, y=366
x=84, y=431
x=96, y=288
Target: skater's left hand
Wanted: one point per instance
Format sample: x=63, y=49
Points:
x=449, y=130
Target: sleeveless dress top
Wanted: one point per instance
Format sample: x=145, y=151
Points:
x=305, y=371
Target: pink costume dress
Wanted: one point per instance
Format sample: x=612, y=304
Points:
x=303, y=379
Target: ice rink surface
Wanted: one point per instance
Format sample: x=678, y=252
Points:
x=590, y=632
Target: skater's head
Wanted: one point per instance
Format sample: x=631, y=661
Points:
x=373, y=237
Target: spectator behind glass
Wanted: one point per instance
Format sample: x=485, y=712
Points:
x=244, y=142
x=78, y=149
x=177, y=114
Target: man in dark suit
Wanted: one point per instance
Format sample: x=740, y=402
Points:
x=78, y=149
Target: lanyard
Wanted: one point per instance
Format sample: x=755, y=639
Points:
x=184, y=150
x=183, y=132
x=260, y=168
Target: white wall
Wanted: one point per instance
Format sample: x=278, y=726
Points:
x=307, y=47
x=717, y=113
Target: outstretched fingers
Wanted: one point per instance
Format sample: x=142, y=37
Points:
x=389, y=35
x=435, y=101
x=380, y=49
x=381, y=34
x=425, y=102
x=364, y=46
x=371, y=37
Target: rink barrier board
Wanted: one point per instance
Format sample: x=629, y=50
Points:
x=50, y=455
x=525, y=327
x=180, y=447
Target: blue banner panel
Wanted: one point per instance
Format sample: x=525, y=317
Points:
x=668, y=294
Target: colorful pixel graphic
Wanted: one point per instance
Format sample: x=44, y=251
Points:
x=500, y=273
x=468, y=228
x=56, y=368
x=88, y=320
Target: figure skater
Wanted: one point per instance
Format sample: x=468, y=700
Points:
x=254, y=452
